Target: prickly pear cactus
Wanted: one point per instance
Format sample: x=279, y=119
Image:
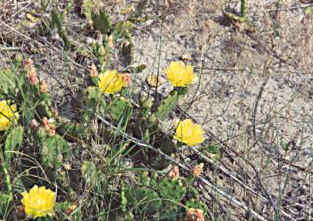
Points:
x=101, y=21
x=54, y=151
x=167, y=105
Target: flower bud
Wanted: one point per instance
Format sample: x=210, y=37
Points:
x=197, y=170
x=126, y=79
x=34, y=124
x=28, y=64
x=43, y=87
x=32, y=76
x=174, y=173
x=110, y=41
x=51, y=130
x=194, y=215
x=45, y=123
x=93, y=72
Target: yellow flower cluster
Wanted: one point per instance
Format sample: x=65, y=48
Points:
x=179, y=74
x=7, y=115
x=189, y=133
x=39, y=202
x=111, y=82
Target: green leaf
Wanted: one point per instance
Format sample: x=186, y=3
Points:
x=71, y=130
x=123, y=199
x=89, y=172
x=144, y=199
x=309, y=10
x=171, y=189
x=168, y=105
x=44, y=110
x=94, y=102
x=103, y=106
x=147, y=136
x=13, y=140
x=55, y=150
x=5, y=201
x=101, y=21
x=57, y=21
x=181, y=90
x=93, y=93
x=8, y=81
x=119, y=108
x=135, y=69
x=122, y=30
x=196, y=203
x=167, y=145
x=214, y=150
x=87, y=7
x=62, y=206
x=139, y=68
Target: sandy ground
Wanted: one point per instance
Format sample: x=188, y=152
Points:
x=253, y=86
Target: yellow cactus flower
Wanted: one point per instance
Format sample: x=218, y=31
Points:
x=189, y=133
x=179, y=74
x=7, y=115
x=39, y=202
x=111, y=82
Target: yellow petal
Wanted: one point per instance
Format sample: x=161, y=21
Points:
x=39, y=202
x=7, y=115
x=179, y=74
x=111, y=82
x=189, y=133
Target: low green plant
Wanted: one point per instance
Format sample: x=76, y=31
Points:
x=97, y=162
